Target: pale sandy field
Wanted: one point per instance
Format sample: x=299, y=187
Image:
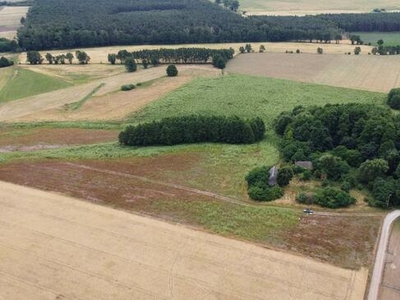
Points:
x=312, y=7
x=99, y=55
x=103, y=105
x=365, y=72
x=10, y=20
x=55, y=247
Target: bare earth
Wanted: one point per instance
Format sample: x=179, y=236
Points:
x=359, y=72
x=51, y=106
x=54, y=247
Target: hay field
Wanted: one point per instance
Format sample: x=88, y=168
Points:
x=303, y=7
x=364, y=72
x=10, y=20
x=34, y=108
x=99, y=55
x=55, y=247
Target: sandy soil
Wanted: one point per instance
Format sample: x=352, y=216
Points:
x=359, y=72
x=10, y=20
x=390, y=287
x=54, y=247
x=37, y=107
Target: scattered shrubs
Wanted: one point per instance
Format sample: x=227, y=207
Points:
x=127, y=87
x=172, y=71
x=333, y=198
x=393, y=99
x=194, y=129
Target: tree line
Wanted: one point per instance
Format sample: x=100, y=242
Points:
x=353, y=145
x=35, y=58
x=194, y=129
x=52, y=24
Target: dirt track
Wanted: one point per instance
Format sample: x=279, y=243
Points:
x=54, y=247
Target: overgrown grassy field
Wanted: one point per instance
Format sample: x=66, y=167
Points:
x=24, y=83
x=389, y=38
x=248, y=97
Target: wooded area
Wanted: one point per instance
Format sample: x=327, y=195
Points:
x=51, y=24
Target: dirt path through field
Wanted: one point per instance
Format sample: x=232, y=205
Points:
x=55, y=247
x=113, y=106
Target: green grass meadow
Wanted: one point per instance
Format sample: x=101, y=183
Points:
x=389, y=38
x=248, y=96
x=25, y=83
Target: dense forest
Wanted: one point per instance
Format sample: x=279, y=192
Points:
x=53, y=24
x=350, y=145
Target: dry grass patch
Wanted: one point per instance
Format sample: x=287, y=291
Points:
x=10, y=17
x=359, y=72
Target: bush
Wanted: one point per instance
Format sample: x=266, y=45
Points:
x=306, y=175
x=4, y=62
x=172, y=71
x=258, y=174
x=127, y=87
x=130, y=65
x=265, y=193
x=393, y=99
x=285, y=174
x=305, y=198
x=333, y=198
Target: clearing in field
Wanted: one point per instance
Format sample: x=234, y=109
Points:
x=10, y=17
x=54, y=247
x=99, y=55
x=17, y=83
x=362, y=72
x=313, y=7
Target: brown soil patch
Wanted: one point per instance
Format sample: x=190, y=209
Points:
x=25, y=139
x=359, y=72
x=347, y=241
x=112, y=189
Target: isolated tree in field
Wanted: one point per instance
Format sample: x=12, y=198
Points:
x=49, y=58
x=262, y=48
x=241, y=49
x=380, y=42
x=357, y=50
x=34, y=57
x=82, y=57
x=248, y=48
x=130, y=65
x=172, y=71
x=320, y=50
x=219, y=62
x=70, y=57
x=145, y=63
x=112, y=58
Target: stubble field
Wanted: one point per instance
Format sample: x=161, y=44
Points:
x=10, y=17
x=364, y=72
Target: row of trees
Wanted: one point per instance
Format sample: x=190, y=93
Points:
x=74, y=24
x=35, y=58
x=350, y=144
x=194, y=129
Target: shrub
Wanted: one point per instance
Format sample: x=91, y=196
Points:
x=258, y=174
x=127, y=87
x=305, y=198
x=285, y=174
x=306, y=175
x=394, y=99
x=265, y=193
x=172, y=71
x=333, y=198
x=130, y=65
x=4, y=62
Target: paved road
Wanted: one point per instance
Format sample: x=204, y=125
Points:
x=381, y=254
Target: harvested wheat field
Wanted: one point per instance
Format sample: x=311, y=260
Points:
x=36, y=107
x=99, y=55
x=362, y=72
x=10, y=17
x=55, y=247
